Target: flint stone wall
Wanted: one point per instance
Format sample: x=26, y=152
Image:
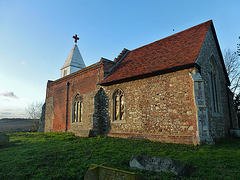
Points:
x=219, y=123
x=160, y=108
x=42, y=119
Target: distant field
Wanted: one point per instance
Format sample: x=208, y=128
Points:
x=17, y=125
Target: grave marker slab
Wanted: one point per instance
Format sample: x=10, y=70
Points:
x=99, y=172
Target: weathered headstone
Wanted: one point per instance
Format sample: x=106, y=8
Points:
x=4, y=139
x=158, y=164
x=99, y=172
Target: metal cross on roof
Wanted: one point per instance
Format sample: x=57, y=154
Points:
x=76, y=38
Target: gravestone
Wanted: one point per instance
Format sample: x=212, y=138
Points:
x=4, y=139
x=99, y=172
x=158, y=164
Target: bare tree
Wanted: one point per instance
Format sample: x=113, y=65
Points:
x=34, y=110
x=238, y=48
x=232, y=64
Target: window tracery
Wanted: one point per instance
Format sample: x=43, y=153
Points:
x=118, y=105
x=77, y=109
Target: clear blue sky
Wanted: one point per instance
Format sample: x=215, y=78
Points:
x=36, y=36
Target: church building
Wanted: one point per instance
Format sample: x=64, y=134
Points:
x=174, y=90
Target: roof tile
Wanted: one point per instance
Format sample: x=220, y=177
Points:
x=174, y=51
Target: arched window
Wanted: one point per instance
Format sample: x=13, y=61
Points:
x=118, y=105
x=77, y=108
x=214, y=87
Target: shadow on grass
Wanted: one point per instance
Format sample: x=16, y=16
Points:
x=64, y=156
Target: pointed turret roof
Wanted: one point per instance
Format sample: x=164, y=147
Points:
x=74, y=58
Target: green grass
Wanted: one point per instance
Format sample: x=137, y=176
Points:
x=64, y=156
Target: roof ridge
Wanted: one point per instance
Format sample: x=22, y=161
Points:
x=105, y=59
x=121, y=55
x=174, y=34
x=117, y=60
x=170, y=52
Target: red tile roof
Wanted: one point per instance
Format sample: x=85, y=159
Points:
x=178, y=50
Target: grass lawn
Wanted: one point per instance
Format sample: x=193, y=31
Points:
x=64, y=156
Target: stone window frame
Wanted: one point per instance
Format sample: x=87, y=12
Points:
x=77, y=108
x=121, y=119
x=215, y=100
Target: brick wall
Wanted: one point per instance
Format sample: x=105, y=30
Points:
x=84, y=82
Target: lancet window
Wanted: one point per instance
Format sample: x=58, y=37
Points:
x=77, y=108
x=214, y=87
x=118, y=105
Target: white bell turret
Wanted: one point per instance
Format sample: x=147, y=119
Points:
x=74, y=60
